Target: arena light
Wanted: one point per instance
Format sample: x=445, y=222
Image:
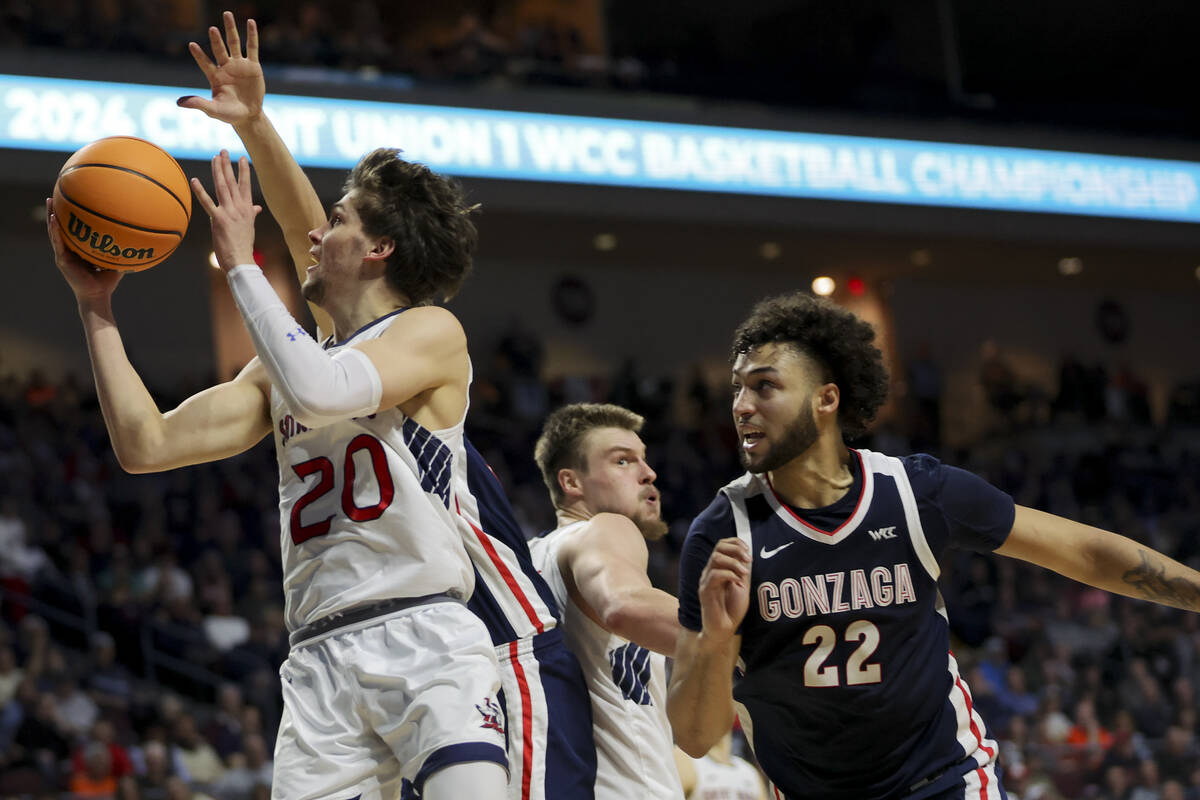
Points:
x=63, y=115
x=770, y=251
x=1070, y=266
x=823, y=286
x=604, y=242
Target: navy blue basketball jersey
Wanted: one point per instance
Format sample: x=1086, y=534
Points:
x=845, y=682
x=510, y=596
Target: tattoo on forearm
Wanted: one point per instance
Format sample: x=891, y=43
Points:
x=1151, y=582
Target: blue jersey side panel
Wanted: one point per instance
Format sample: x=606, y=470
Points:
x=499, y=523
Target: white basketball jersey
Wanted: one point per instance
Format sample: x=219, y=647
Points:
x=737, y=780
x=365, y=508
x=627, y=683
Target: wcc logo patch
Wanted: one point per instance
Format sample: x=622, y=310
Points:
x=493, y=715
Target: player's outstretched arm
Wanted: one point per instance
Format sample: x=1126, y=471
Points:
x=1102, y=559
x=700, y=695
x=216, y=423
x=605, y=567
x=238, y=89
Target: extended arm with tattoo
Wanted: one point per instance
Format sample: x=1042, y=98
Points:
x=1102, y=559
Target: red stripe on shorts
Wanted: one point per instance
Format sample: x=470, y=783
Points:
x=526, y=721
x=971, y=719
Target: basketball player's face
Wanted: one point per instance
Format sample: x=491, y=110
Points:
x=339, y=246
x=618, y=479
x=773, y=390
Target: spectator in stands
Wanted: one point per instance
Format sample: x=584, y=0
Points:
x=249, y=773
x=204, y=766
x=925, y=393
x=1178, y=757
x=224, y=629
x=10, y=674
x=41, y=741
x=1143, y=695
x=109, y=683
x=152, y=781
x=999, y=382
x=1116, y=784
x=224, y=729
x=164, y=581
x=103, y=734
x=73, y=709
x=93, y=774
x=1148, y=785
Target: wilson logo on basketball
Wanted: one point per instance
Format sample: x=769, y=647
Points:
x=104, y=243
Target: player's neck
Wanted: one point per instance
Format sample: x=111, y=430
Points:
x=569, y=515
x=365, y=307
x=818, y=477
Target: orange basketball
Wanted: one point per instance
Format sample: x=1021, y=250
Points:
x=122, y=203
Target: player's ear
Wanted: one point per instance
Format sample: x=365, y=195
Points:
x=829, y=397
x=383, y=247
x=570, y=483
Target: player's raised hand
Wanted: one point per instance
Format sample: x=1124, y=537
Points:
x=725, y=589
x=86, y=281
x=232, y=213
x=236, y=79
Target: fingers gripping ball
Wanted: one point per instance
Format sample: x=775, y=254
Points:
x=122, y=203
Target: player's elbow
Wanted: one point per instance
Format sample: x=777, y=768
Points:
x=138, y=461
x=617, y=617
x=316, y=408
x=690, y=746
x=689, y=739
x=138, y=453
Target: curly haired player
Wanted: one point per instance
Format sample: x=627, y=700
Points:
x=808, y=588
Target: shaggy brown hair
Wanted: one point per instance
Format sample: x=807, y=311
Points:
x=841, y=344
x=560, y=445
x=425, y=214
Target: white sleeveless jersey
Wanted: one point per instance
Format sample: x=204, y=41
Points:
x=627, y=683
x=365, y=508
x=737, y=780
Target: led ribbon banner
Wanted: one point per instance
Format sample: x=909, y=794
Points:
x=54, y=114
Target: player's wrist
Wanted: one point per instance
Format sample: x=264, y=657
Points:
x=252, y=123
x=711, y=642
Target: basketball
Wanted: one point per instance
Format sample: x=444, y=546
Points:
x=122, y=203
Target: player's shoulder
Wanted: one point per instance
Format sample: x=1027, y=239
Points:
x=426, y=327
x=609, y=525
x=924, y=472
x=931, y=478
x=716, y=521
x=435, y=318
x=604, y=532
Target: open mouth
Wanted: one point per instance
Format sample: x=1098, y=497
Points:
x=751, y=439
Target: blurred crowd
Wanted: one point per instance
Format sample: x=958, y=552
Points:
x=141, y=623
x=471, y=42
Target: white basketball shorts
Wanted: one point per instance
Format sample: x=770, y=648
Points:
x=386, y=700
